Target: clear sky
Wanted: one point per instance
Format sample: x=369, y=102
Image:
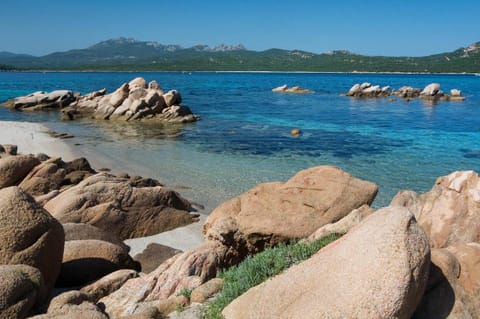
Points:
x=370, y=27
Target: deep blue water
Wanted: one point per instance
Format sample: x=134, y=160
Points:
x=243, y=136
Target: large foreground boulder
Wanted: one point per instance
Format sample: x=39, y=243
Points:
x=453, y=289
x=122, y=206
x=29, y=235
x=277, y=212
x=378, y=270
x=449, y=213
x=21, y=287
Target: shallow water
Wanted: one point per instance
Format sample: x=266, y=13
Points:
x=243, y=136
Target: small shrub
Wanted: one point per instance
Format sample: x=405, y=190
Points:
x=258, y=268
x=186, y=292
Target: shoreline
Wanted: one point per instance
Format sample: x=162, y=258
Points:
x=245, y=71
x=31, y=138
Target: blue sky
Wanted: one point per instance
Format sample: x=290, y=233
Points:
x=370, y=27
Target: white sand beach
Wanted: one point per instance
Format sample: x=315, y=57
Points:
x=32, y=138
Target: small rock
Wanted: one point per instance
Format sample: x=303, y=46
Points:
x=295, y=132
x=455, y=92
x=138, y=82
x=431, y=89
x=154, y=255
x=343, y=225
x=108, y=284
x=206, y=290
x=280, y=88
x=87, y=260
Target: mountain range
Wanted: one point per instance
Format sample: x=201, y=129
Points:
x=127, y=54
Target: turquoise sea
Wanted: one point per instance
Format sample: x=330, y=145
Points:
x=243, y=137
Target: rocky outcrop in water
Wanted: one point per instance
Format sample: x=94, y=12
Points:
x=294, y=89
x=42, y=100
x=431, y=92
x=131, y=101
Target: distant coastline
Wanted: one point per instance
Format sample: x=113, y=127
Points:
x=131, y=55
x=246, y=71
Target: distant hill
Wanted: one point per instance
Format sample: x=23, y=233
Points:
x=126, y=54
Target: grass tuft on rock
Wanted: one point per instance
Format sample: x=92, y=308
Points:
x=258, y=268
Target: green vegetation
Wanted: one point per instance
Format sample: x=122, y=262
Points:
x=186, y=292
x=258, y=268
x=131, y=55
x=4, y=67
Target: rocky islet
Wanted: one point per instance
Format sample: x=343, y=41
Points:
x=431, y=92
x=135, y=100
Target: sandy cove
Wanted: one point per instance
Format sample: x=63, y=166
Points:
x=33, y=138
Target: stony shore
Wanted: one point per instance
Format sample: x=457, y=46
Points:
x=33, y=138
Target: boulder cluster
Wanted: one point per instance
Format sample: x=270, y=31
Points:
x=431, y=92
x=131, y=101
x=62, y=225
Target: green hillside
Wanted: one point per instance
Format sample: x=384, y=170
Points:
x=128, y=54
